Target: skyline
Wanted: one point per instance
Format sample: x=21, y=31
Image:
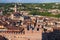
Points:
x=29, y=1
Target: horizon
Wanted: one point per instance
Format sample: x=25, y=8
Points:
x=29, y=1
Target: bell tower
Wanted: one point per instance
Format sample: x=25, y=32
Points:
x=15, y=8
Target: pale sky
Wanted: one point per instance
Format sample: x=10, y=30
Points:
x=28, y=1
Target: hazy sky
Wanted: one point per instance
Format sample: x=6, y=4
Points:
x=28, y=1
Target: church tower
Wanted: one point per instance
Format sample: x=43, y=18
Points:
x=1, y=12
x=15, y=8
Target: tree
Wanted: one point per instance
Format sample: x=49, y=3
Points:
x=3, y=38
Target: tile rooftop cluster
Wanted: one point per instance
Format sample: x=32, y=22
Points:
x=18, y=22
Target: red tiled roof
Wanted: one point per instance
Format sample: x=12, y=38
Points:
x=13, y=28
